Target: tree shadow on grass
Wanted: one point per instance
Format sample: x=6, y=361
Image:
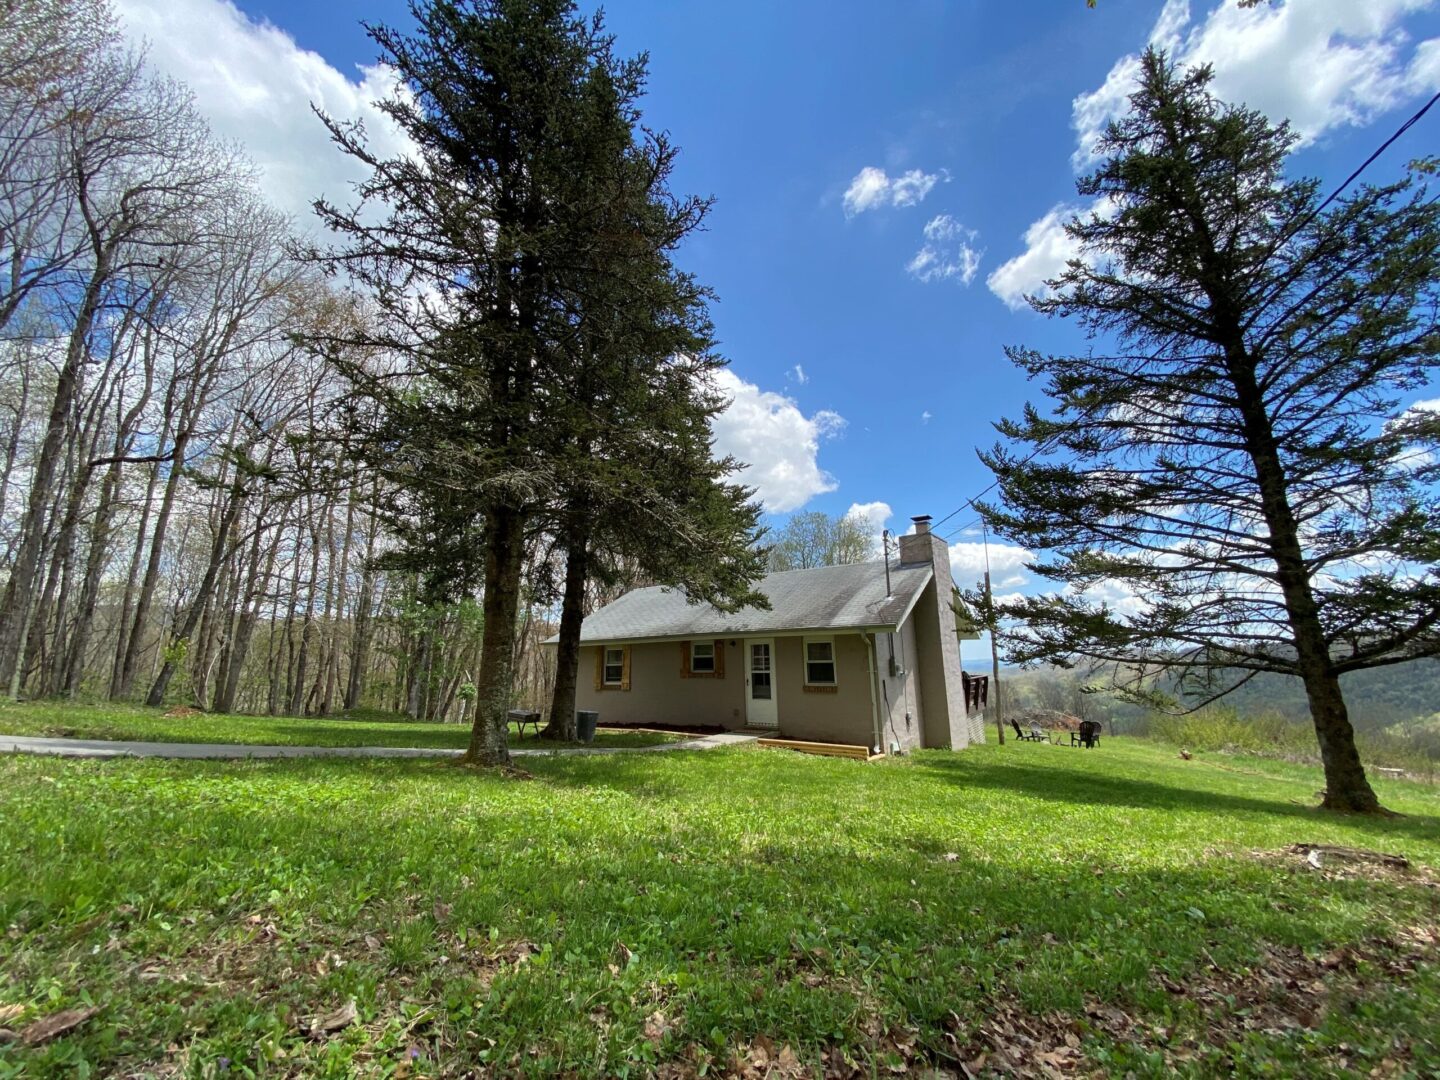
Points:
x=1095, y=789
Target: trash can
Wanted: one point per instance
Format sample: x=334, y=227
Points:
x=585, y=721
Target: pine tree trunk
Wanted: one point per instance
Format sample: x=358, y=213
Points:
x=1346, y=786
x=567, y=649
x=504, y=559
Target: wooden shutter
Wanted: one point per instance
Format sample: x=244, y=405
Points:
x=719, y=659
x=625, y=667
x=600, y=668
x=684, y=660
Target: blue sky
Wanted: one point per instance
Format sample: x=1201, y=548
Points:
x=865, y=334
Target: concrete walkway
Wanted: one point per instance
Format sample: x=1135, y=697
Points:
x=103, y=748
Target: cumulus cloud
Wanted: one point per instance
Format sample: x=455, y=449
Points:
x=872, y=516
x=948, y=253
x=873, y=188
x=781, y=445
x=1418, y=422
x=1047, y=250
x=255, y=85
x=1007, y=564
x=1321, y=64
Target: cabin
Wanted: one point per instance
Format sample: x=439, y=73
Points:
x=864, y=655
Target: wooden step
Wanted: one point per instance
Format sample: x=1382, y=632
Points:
x=845, y=750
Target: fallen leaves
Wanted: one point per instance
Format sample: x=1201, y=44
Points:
x=760, y=1058
x=1317, y=854
x=331, y=1022
x=657, y=1026
x=55, y=1025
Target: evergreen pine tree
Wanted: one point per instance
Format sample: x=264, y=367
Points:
x=1230, y=452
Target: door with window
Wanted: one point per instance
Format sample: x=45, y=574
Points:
x=760, y=710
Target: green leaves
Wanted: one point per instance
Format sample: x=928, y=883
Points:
x=1222, y=485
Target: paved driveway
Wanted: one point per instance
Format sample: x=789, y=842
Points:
x=104, y=748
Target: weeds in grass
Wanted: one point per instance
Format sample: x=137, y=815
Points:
x=725, y=911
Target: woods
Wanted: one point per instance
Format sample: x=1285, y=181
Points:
x=234, y=481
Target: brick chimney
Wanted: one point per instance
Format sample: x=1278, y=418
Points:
x=942, y=693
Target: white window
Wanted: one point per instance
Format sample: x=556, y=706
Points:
x=614, y=667
x=702, y=657
x=820, y=662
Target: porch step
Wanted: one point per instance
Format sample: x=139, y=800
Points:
x=845, y=750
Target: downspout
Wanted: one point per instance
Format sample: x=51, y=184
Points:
x=877, y=730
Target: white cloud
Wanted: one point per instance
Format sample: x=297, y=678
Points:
x=1007, y=563
x=1047, y=250
x=910, y=188
x=797, y=374
x=873, y=188
x=779, y=442
x=873, y=516
x=255, y=85
x=1321, y=64
x=925, y=416
x=948, y=253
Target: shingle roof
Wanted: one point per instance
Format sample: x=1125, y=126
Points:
x=826, y=598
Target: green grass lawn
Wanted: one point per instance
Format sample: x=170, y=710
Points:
x=742, y=912
x=134, y=723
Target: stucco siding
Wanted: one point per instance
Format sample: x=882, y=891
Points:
x=900, y=696
x=658, y=695
x=841, y=717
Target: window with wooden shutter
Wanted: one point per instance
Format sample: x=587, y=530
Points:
x=612, y=667
x=702, y=659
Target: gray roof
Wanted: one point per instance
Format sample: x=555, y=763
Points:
x=826, y=598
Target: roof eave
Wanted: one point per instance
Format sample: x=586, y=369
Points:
x=865, y=628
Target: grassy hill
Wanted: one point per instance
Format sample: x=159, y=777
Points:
x=1029, y=909
x=1396, y=712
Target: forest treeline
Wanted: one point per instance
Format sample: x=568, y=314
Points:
x=183, y=515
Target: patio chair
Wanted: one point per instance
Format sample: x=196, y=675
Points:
x=1024, y=736
x=1088, y=736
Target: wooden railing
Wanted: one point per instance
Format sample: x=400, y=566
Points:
x=977, y=692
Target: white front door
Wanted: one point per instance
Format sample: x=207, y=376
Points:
x=760, y=710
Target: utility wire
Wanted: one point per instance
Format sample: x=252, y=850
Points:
x=1048, y=443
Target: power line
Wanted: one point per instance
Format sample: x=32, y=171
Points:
x=1047, y=444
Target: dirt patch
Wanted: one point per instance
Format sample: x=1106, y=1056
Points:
x=1285, y=992
x=1349, y=864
